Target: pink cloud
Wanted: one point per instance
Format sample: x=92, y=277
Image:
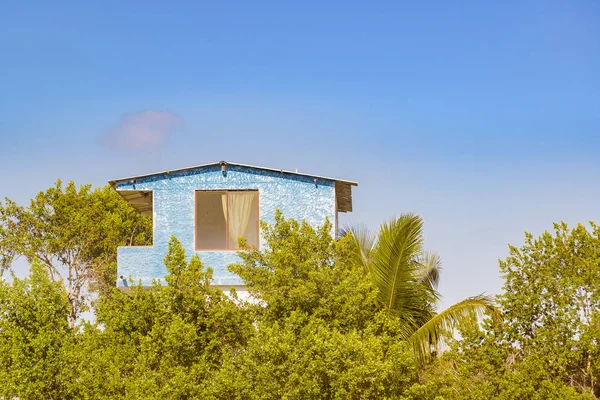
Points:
x=143, y=130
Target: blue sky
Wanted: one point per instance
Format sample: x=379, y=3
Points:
x=483, y=117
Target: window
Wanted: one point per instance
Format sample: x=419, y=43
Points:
x=222, y=217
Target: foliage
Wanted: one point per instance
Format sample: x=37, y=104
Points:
x=165, y=342
x=406, y=278
x=303, y=357
x=34, y=338
x=305, y=270
x=333, y=319
x=558, y=321
x=547, y=344
x=74, y=233
x=320, y=331
x=317, y=331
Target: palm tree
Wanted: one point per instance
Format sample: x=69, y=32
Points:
x=407, y=278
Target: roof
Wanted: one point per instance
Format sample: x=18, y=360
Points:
x=142, y=200
x=115, y=181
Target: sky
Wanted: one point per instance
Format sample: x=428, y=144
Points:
x=482, y=117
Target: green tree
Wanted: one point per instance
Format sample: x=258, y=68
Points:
x=552, y=305
x=167, y=341
x=34, y=337
x=74, y=232
x=304, y=357
x=406, y=277
x=320, y=331
x=547, y=343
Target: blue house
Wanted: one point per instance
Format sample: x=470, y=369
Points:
x=208, y=207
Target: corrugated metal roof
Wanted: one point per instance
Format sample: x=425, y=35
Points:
x=142, y=199
x=114, y=181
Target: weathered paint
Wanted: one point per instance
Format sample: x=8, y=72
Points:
x=298, y=197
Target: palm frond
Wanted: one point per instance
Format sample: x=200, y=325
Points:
x=363, y=240
x=431, y=335
x=429, y=275
x=431, y=264
x=394, y=270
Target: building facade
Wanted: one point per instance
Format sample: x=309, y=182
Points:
x=210, y=207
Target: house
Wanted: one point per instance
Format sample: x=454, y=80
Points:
x=208, y=207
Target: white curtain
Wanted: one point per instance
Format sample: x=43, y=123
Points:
x=224, y=204
x=239, y=209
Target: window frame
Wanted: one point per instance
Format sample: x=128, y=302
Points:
x=226, y=191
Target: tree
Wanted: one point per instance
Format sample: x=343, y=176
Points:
x=34, y=336
x=320, y=332
x=406, y=278
x=547, y=343
x=74, y=233
x=552, y=305
x=167, y=341
x=305, y=357
x=302, y=269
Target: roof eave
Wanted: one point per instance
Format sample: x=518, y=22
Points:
x=114, y=182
